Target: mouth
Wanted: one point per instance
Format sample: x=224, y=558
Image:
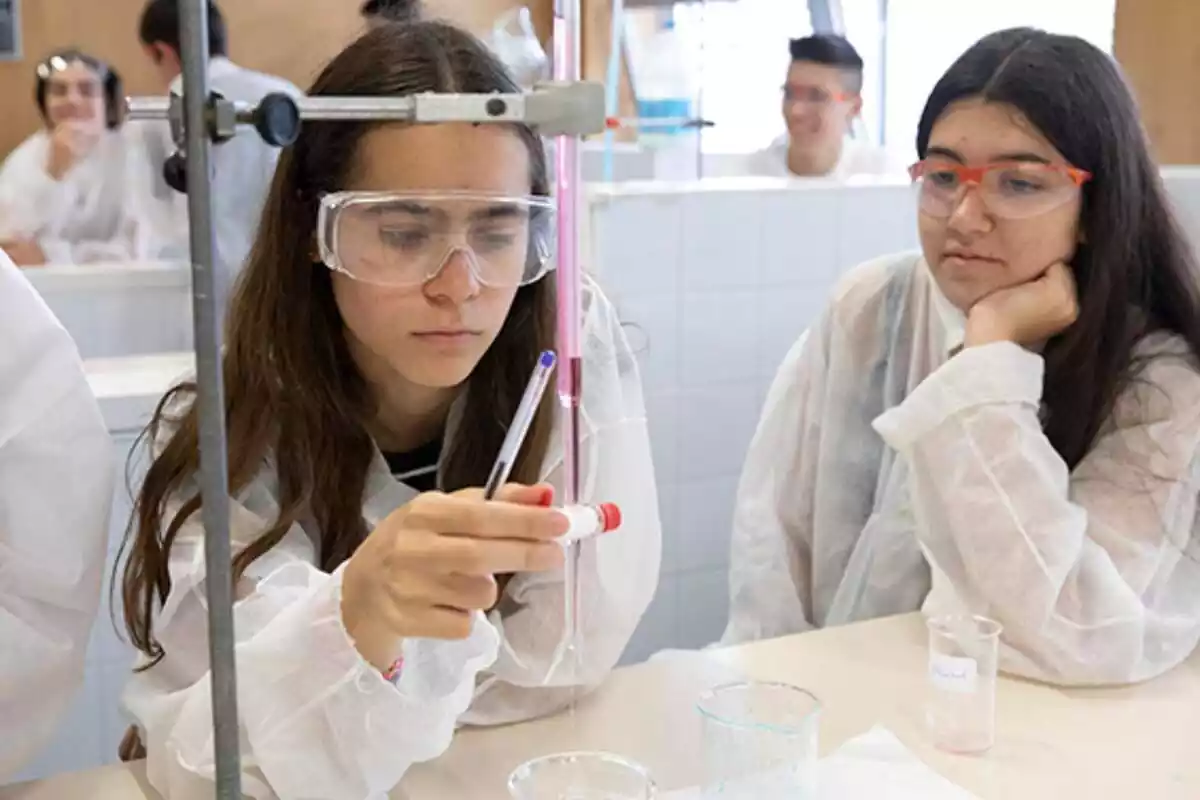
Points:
x=967, y=255
x=447, y=335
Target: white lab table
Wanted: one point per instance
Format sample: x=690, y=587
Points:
x=1134, y=742
x=120, y=308
x=129, y=387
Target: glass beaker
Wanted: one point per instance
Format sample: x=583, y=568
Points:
x=760, y=741
x=960, y=708
x=581, y=776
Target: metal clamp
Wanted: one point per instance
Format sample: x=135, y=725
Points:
x=553, y=109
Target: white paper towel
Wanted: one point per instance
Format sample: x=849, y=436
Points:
x=875, y=765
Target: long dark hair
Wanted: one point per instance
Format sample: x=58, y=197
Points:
x=294, y=394
x=1134, y=267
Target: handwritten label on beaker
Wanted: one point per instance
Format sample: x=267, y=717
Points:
x=953, y=673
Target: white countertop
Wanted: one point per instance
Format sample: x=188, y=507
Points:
x=1120, y=743
x=83, y=277
x=129, y=387
x=600, y=192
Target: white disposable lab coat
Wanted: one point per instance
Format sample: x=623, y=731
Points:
x=242, y=169
x=318, y=721
x=99, y=210
x=56, y=484
x=857, y=158
x=886, y=475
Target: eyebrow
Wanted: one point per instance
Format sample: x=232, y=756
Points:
x=1020, y=156
x=497, y=211
x=402, y=207
x=500, y=211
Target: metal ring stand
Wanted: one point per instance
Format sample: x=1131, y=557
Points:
x=201, y=119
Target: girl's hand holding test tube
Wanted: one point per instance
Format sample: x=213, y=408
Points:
x=432, y=563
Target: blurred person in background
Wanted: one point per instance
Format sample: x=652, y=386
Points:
x=68, y=193
x=822, y=99
x=242, y=167
x=381, y=12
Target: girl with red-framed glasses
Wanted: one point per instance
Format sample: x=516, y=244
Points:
x=1006, y=424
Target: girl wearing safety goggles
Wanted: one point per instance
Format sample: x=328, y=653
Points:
x=69, y=193
x=1007, y=424
x=391, y=312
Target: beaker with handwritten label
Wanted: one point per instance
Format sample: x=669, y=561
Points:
x=960, y=709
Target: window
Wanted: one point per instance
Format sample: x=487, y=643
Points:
x=729, y=57
x=733, y=57
x=924, y=37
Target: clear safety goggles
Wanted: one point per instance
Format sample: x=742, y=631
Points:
x=405, y=239
x=1009, y=190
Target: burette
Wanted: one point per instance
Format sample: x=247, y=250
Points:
x=568, y=192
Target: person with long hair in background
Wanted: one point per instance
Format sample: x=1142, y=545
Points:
x=1007, y=424
x=75, y=192
x=391, y=312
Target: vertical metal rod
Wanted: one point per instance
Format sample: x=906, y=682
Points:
x=699, y=112
x=881, y=71
x=566, y=61
x=214, y=482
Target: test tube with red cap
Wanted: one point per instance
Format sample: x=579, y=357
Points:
x=589, y=521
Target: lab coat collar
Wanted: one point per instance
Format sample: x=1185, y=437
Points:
x=219, y=67
x=384, y=494
x=952, y=320
x=841, y=170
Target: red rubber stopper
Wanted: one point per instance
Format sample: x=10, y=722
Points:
x=610, y=516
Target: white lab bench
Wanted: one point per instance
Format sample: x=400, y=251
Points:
x=120, y=309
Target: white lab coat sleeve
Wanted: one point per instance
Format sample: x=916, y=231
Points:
x=56, y=485
x=29, y=196
x=770, y=577
x=316, y=720
x=1094, y=575
x=618, y=571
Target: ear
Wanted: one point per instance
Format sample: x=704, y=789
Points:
x=855, y=107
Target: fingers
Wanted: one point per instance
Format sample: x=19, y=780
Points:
x=465, y=515
x=540, y=495
x=453, y=591
x=1060, y=279
x=1063, y=275
x=469, y=556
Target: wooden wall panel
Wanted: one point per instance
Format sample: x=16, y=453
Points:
x=1157, y=44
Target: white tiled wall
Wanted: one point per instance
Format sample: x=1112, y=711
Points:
x=120, y=309
x=717, y=281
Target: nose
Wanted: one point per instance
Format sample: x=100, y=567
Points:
x=456, y=281
x=970, y=214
